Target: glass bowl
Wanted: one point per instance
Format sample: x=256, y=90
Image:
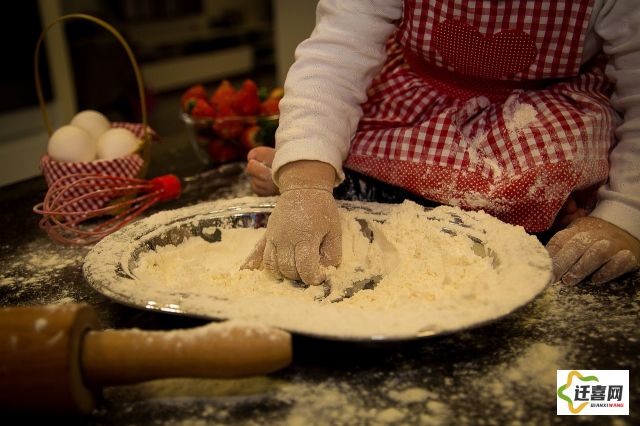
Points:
x=224, y=140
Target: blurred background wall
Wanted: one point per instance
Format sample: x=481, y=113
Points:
x=177, y=43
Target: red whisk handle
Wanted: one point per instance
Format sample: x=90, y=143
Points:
x=168, y=187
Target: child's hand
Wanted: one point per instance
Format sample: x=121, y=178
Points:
x=259, y=168
x=593, y=246
x=303, y=232
x=570, y=212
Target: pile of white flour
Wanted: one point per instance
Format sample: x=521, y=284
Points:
x=437, y=270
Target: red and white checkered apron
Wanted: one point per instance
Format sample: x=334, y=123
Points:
x=485, y=105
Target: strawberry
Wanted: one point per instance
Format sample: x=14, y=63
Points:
x=223, y=95
x=247, y=101
x=268, y=126
x=276, y=93
x=263, y=93
x=221, y=152
x=227, y=124
x=270, y=107
x=194, y=92
x=202, y=109
x=188, y=104
x=197, y=91
x=250, y=137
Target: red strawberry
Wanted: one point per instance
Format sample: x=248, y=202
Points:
x=197, y=91
x=188, y=104
x=221, y=152
x=223, y=95
x=270, y=107
x=194, y=92
x=250, y=137
x=247, y=101
x=277, y=93
x=202, y=109
x=213, y=149
x=263, y=93
x=227, y=124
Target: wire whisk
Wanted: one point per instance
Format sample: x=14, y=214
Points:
x=75, y=206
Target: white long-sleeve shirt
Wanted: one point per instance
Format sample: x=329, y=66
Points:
x=334, y=67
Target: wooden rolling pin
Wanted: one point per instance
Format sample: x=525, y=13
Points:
x=56, y=358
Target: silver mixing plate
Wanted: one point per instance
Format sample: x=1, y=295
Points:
x=109, y=266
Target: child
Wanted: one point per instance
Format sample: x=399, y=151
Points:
x=500, y=106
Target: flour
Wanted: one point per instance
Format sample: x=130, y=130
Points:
x=390, y=416
x=37, y=262
x=410, y=395
x=518, y=116
x=430, y=281
x=463, y=379
x=336, y=400
x=511, y=374
x=40, y=269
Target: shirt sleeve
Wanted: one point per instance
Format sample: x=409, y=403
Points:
x=618, y=24
x=327, y=83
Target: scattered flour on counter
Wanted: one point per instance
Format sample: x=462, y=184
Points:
x=533, y=367
x=390, y=416
x=432, y=281
x=410, y=395
x=36, y=263
x=465, y=399
x=40, y=267
x=588, y=315
x=535, y=370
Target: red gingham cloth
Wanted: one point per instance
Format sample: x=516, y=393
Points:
x=490, y=109
x=129, y=166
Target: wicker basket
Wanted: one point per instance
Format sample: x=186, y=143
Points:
x=133, y=165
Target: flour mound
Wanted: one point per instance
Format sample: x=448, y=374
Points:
x=435, y=271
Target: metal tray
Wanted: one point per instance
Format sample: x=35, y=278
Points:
x=109, y=266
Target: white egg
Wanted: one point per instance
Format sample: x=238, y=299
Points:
x=92, y=121
x=71, y=144
x=117, y=142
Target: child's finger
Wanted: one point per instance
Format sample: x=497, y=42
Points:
x=263, y=189
x=570, y=252
x=559, y=240
x=593, y=258
x=262, y=154
x=622, y=262
x=258, y=170
x=255, y=258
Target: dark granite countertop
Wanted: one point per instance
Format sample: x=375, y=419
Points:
x=501, y=373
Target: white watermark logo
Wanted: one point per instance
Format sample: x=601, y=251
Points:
x=592, y=392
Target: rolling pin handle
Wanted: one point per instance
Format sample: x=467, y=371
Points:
x=51, y=358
